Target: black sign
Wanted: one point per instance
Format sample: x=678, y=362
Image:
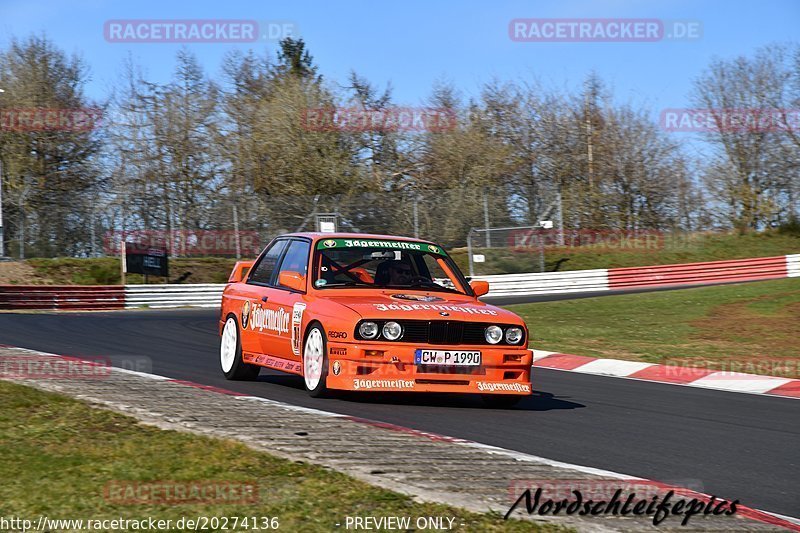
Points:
x=141, y=260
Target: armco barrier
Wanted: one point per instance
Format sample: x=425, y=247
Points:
x=61, y=297
x=210, y=295
x=699, y=273
x=162, y=296
x=793, y=266
x=547, y=282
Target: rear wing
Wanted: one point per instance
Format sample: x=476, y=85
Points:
x=240, y=270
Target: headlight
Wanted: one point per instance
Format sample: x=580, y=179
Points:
x=493, y=334
x=513, y=335
x=368, y=330
x=392, y=331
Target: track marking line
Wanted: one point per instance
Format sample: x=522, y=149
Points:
x=773, y=386
x=612, y=367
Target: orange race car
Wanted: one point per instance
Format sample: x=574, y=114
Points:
x=372, y=313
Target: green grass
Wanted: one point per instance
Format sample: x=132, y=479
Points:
x=57, y=454
x=687, y=248
x=722, y=324
x=106, y=271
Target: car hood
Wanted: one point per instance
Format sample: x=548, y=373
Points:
x=428, y=306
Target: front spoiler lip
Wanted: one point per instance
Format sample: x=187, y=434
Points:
x=358, y=372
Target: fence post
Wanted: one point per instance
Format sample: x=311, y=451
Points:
x=236, y=232
x=486, y=218
x=469, y=252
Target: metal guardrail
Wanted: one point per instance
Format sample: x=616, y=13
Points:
x=793, y=266
x=73, y=297
x=699, y=273
x=547, y=282
x=210, y=295
x=165, y=296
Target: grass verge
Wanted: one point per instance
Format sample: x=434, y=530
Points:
x=57, y=455
x=749, y=327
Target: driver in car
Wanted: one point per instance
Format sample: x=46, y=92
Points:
x=397, y=273
x=400, y=273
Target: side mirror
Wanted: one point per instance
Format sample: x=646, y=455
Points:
x=479, y=287
x=240, y=270
x=293, y=280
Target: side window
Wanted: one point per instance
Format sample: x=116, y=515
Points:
x=296, y=258
x=262, y=273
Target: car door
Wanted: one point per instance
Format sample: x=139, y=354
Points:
x=257, y=291
x=290, y=303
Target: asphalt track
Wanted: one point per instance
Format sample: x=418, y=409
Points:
x=733, y=445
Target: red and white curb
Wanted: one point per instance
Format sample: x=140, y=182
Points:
x=676, y=375
x=787, y=522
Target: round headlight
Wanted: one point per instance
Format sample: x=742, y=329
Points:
x=368, y=330
x=513, y=335
x=392, y=331
x=493, y=334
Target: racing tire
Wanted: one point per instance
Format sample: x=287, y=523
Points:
x=315, y=361
x=230, y=354
x=501, y=401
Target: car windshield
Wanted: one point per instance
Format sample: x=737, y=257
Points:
x=372, y=263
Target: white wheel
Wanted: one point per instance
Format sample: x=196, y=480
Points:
x=313, y=359
x=227, y=346
x=230, y=354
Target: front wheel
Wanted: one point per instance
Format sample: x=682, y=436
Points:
x=230, y=354
x=315, y=362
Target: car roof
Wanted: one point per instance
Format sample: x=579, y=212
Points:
x=315, y=235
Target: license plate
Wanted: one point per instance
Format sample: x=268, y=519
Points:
x=447, y=357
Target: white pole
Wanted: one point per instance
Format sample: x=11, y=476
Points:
x=22, y=222
x=2, y=242
x=236, y=232
x=560, y=219
x=122, y=267
x=416, y=218
x=486, y=219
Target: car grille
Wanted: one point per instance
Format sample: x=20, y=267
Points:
x=445, y=332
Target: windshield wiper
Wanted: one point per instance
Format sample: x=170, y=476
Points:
x=344, y=284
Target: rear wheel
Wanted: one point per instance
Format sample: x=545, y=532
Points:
x=315, y=362
x=230, y=354
x=501, y=401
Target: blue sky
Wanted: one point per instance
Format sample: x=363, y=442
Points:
x=414, y=43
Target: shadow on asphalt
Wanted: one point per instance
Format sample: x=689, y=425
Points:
x=539, y=401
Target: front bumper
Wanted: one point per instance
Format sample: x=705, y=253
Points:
x=390, y=367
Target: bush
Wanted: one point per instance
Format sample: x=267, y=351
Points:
x=790, y=227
